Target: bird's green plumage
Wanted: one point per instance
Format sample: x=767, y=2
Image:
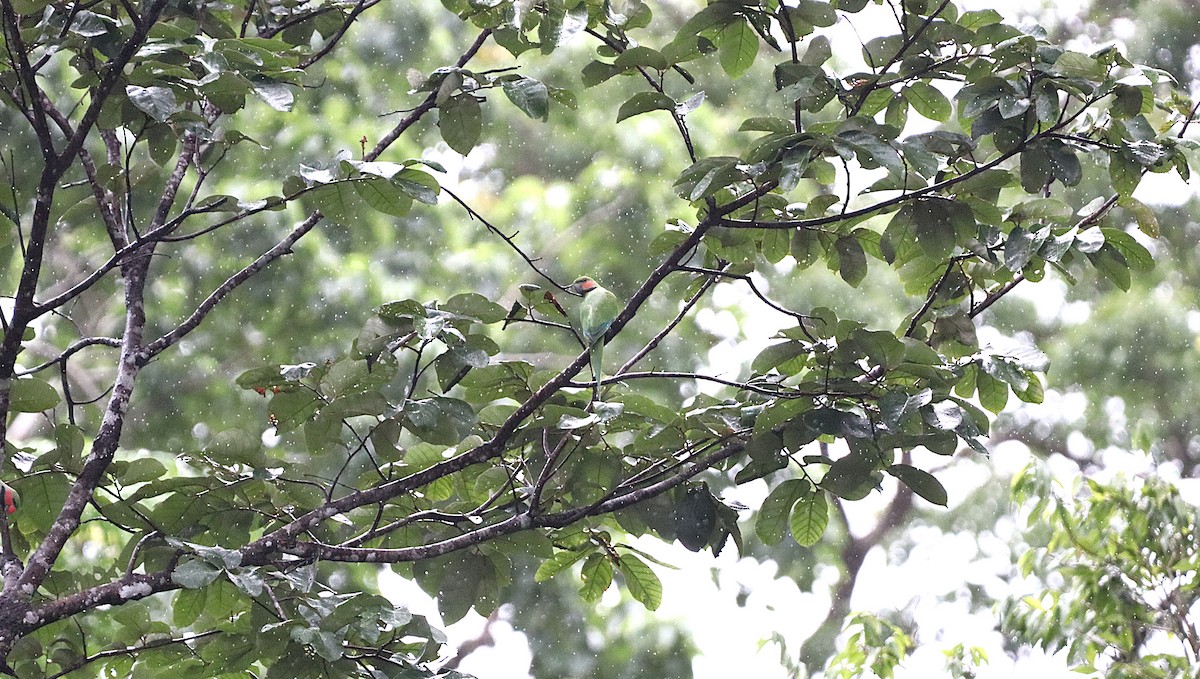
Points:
x=595, y=314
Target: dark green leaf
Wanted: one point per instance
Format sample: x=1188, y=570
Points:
x=644, y=102
x=157, y=102
x=852, y=260
x=440, y=419
x=921, y=482
x=461, y=123
x=737, y=47
x=695, y=517
x=850, y=477
x=928, y=101
x=641, y=56
x=529, y=95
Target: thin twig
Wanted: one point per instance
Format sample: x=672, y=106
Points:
x=531, y=262
x=662, y=334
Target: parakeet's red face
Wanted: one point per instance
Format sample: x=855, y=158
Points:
x=583, y=285
x=10, y=500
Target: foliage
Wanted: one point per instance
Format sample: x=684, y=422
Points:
x=875, y=646
x=424, y=443
x=1126, y=552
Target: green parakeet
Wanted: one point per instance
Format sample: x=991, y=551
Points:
x=595, y=315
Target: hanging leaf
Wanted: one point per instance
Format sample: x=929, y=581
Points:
x=921, y=482
x=157, y=102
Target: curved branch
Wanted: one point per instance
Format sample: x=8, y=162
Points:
x=529, y=261
x=75, y=347
x=131, y=651
x=658, y=338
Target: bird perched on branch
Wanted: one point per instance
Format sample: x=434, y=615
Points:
x=594, y=316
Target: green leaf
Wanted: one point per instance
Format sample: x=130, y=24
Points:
x=641, y=56
x=781, y=356
x=1065, y=163
x=1035, y=168
x=772, y=521
x=558, y=563
x=384, y=196
x=928, y=101
x=338, y=201
x=476, y=306
x=1124, y=173
x=641, y=581
x=195, y=573
x=440, y=420
x=850, y=477
x=810, y=516
x=852, y=260
x=1078, y=65
x=921, y=482
x=775, y=244
x=529, y=95
x=897, y=406
x=767, y=124
x=1133, y=252
x=695, y=517
x=162, y=143
x=597, y=72
x=461, y=123
x=276, y=94
x=979, y=18
x=157, y=102
x=597, y=575
x=141, y=470
x=934, y=229
x=945, y=415
x=1147, y=221
x=815, y=12
x=737, y=47
x=42, y=497
x=993, y=394
x=419, y=185
x=31, y=395
x=806, y=247
x=644, y=102
x=1020, y=247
